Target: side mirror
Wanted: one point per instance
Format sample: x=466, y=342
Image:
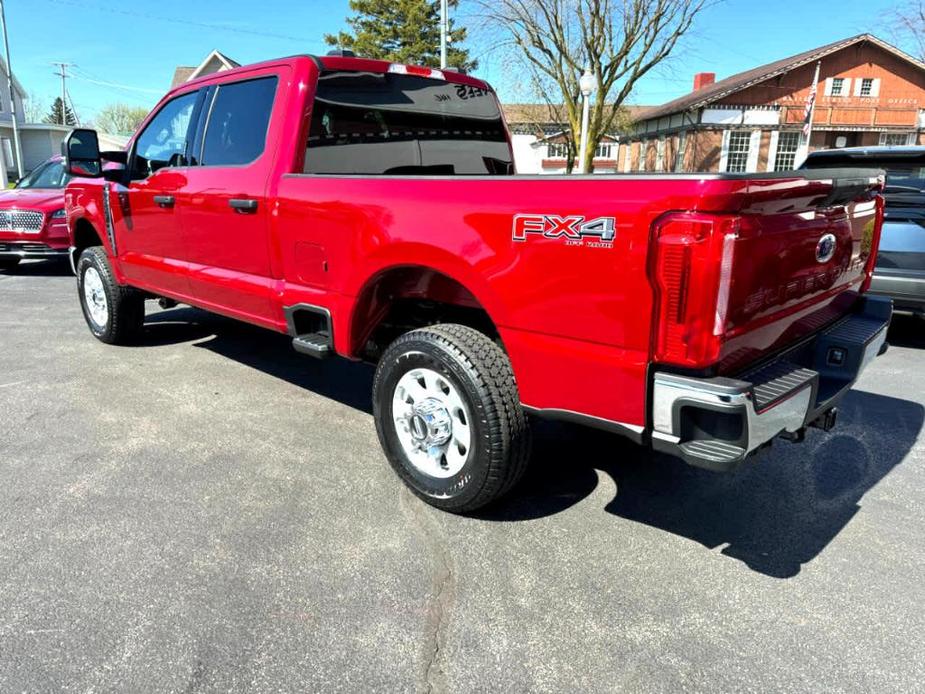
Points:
x=115, y=157
x=82, y=154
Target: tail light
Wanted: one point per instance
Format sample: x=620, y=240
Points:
x=692, y=274
x=417, y=71
x=874, y=245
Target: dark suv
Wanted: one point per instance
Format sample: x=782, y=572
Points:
x=900, y=272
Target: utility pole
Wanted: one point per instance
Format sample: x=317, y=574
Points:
x=444, y=30
x=63, y=76
x=9, y=83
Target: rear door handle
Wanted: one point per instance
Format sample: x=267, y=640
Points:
x=164, y=200
x=243, y=205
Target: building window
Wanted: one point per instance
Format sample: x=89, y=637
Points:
x=8, y=161
x=787, y=145
x=838, y=86
x=867, y=87
x=603, y=151
x=643, y=153
x=737, y=154
x=896, y=139
x=557, y=150
x=679, y=155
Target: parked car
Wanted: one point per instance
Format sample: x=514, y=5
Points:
x=370, y=210
x=900, y=271
x=32, y=217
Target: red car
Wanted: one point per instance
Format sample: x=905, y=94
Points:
x=32, y=217
x=370, y=210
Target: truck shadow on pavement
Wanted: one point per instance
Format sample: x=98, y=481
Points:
x=56, y=267
x=347, y=382
x=907, y=331
x=775, y=514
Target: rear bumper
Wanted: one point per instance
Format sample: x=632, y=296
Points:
x=716, y=423
x=28, y=250
x=905, y=287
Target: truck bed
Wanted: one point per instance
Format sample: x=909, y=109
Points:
x=583, y=304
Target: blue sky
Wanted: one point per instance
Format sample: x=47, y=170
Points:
x=127, y=51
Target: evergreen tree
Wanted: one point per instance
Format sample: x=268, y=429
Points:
x=60, y=113
x=402, y=31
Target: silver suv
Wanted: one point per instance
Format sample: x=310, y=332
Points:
x=900, y=271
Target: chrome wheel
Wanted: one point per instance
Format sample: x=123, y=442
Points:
x=95, y=297
x=432, y=423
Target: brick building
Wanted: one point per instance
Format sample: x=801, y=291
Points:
x=869, y=93
x=539, y=136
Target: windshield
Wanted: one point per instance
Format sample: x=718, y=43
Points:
x=49, y=175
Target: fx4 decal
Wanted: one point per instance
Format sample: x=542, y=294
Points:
x=573, y=230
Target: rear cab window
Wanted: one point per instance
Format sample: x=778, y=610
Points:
x=393, y=124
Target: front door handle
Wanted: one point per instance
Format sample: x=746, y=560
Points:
x=243, y=205
x=164, y=200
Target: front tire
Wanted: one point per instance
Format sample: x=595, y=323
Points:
x=114, y=314
x=9, y=263
x=449, y=418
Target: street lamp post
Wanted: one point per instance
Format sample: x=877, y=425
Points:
x=444, y=30
x=9, y=83
x=586, y=84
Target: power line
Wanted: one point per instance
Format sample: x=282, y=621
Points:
x=73, y=107
x=63, y=76
x=186, y=22
x=85, y=76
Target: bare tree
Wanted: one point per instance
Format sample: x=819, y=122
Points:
x=618, y=40
x=34, y=108
x=907, y=24
x=120, y=119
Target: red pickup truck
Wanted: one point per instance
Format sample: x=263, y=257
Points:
x=370, y=210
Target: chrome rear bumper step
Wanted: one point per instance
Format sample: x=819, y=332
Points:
x=716, y=423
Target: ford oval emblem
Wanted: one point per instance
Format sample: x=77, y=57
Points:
x=825, y=249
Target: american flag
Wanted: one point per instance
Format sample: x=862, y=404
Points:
x=810, y=102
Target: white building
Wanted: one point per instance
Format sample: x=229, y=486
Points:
x=540, y=141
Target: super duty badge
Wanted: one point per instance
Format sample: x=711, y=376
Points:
x=573, y=230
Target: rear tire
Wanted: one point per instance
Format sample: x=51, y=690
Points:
x=449, y=418
x=114, y=314
x=9, y=263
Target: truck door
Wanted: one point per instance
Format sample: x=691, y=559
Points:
x=225, y=213
x=149, y=243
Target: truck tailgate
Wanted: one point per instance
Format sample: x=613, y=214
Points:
x=803, y=251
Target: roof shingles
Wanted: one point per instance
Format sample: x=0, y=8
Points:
x=718, y=90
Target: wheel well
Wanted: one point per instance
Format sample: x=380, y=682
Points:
x=85, y=236
x=406, y=298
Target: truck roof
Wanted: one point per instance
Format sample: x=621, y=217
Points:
x=350, y=64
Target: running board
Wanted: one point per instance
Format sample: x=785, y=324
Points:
x=316, y=345
x=312, y=330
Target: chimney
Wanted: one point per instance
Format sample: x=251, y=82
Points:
x=704, y=79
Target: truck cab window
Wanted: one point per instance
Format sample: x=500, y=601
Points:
x=392, y=124
x=236, y=133
x=163, y=141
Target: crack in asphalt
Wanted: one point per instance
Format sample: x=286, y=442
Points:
x=437, y=614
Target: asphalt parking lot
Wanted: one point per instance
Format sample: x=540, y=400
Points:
x=210, y=511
